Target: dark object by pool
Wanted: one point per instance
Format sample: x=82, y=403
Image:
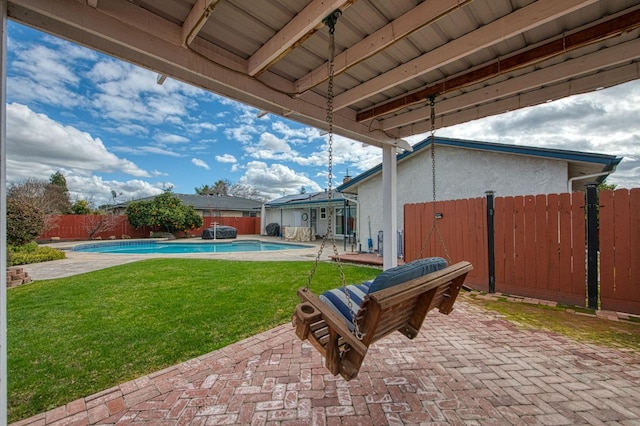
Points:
x=273, y=229
x=219, y=232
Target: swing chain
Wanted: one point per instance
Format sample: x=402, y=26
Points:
x=330, y=21
x=434, y=227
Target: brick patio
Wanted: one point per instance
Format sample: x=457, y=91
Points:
x=468, y=368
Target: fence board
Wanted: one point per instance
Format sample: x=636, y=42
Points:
x=530, y=241
x=542, y=254
x=578, y=292
x=565, y=243
x=552, y=250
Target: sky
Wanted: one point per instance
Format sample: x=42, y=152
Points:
x=109, y=127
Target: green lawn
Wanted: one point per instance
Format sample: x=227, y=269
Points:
x=71, y=337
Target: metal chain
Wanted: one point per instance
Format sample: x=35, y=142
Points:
x=434, y=227
x=330, y=22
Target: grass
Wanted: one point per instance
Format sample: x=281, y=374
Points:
x=624, y=335
x=72, y=337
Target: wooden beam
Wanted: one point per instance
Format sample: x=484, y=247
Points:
x=593, y=34
x=583, y=65
x=586, y=84
x=293, y=34
x=424, y=14
x=517, y=22
x=196, y=19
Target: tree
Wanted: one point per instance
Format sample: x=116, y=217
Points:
x=604, y=186
x=24, y=222
x=221, y=187
x=81, y=207
x=225, y=187
x=166, y=211
x=95, y=223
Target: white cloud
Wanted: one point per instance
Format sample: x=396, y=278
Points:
x=200, y=163
x=38, y=144
x=145, y=149
x=275, y=180
x=94, y=188
x=226, y=158
x=166, y=138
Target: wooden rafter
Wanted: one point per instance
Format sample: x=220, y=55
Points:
x=590, y=35
x=522, y=20
x=584, y=65
x=293, y=34
x=196, y=19
x=424, y=14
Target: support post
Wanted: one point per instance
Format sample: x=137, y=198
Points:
x=491, y=242
x=592, y=245
x=3, y=212
x=389, y=207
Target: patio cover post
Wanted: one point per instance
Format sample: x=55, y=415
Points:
x=389, y=207
x=3, y=213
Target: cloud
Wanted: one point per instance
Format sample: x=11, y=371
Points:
x=226, y=158
x=37, y=145
x=94, y=188
x=200, y=163
x=275, y=180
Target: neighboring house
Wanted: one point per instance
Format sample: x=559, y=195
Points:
x=311, y=211
x=212, y=205
x=468, y=169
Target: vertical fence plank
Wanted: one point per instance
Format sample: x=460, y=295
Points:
x=553, y=243
x=541, y=248
x=519, y=241
x=634, y=246
x=499, y=242
x=578, y=250
x=529, y=241
x=565, y=242
x=622, y=244
x=607, y=253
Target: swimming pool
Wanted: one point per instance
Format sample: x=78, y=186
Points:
x=164, y=247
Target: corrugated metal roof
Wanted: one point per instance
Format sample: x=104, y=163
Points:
x=480, y=57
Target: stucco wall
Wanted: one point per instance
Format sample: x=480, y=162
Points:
x=460, y=173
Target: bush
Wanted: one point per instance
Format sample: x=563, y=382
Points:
x=32, y=253
x=24, y=222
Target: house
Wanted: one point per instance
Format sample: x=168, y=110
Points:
x=212, y=205
x=468, y=169
x=306, y=215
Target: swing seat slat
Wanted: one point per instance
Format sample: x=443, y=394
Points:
x=402, y=307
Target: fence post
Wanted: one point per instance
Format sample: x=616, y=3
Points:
x=491, y=242
x=592, y=245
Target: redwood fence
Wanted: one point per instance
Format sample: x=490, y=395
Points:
x=77, y=227
x=536, y=246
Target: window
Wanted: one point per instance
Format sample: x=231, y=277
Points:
x=323, y=212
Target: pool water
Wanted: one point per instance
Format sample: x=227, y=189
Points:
x=163, y=247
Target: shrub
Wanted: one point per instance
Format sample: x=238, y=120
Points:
x=24, y=222
x=32, y=253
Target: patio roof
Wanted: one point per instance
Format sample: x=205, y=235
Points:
x=480, y=57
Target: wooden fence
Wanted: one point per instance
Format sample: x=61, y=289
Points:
x=77, y=227
x=539, y=244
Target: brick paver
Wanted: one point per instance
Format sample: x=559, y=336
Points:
x=468, y=368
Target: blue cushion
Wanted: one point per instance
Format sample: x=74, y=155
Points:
x=407, y=272
x=337, y=300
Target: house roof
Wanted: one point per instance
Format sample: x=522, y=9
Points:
x=580, y=163
x=305, y=200
x=480, y=57
x=213, y=202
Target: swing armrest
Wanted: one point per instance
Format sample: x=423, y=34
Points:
x=335, y=321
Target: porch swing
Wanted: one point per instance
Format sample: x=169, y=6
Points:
x=344, y=322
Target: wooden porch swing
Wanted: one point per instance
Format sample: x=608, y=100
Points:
x=343, y=323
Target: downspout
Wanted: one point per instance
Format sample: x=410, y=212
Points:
x=570, y=182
